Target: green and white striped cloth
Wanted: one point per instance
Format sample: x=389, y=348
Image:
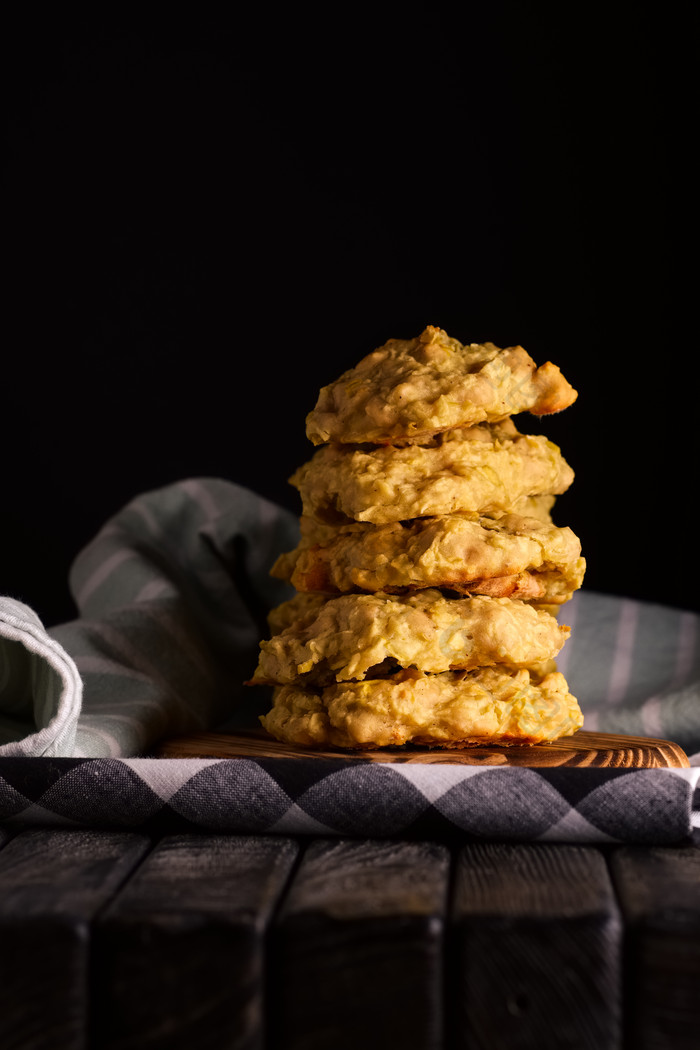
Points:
x=172, y=596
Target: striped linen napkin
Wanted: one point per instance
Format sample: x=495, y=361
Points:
x=172, y=595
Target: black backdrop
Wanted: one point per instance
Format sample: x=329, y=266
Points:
x=212, y=216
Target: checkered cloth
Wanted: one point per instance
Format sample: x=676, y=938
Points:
x=172, y=596
x=350, y=797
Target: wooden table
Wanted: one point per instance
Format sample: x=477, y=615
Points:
x=114, y=940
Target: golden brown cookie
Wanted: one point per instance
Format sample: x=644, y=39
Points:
x=354, y=634
x=487, y=469
x=508, y=556
x=408, y=389
x=313, y=532
x=454, y=709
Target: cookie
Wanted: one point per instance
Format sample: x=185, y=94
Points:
x=350, y=637
x=454, y=709
x=410, y=388
x=508, y=556
x=487, y=469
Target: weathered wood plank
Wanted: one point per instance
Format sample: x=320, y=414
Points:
x=536, y=950
x=659, y=893
x=357, y=950
x=52, y=884
x=179, y=954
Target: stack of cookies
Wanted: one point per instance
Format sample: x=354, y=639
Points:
x=429, y=572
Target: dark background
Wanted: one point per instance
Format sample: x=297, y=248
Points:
x=211, y=217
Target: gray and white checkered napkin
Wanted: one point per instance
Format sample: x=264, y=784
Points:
x=172, y=595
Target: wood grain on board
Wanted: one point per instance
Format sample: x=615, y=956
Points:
x=357, y=946
x=53, y=884
x=658, y=891
x=179, y=954
x=582, y=749
x=536, y=942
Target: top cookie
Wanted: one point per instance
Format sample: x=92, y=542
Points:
x=411, y=388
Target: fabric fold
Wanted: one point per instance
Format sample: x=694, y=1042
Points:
x=172, y=595
x=40, y=687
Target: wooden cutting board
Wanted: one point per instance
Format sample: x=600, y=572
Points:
x=582, y=749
